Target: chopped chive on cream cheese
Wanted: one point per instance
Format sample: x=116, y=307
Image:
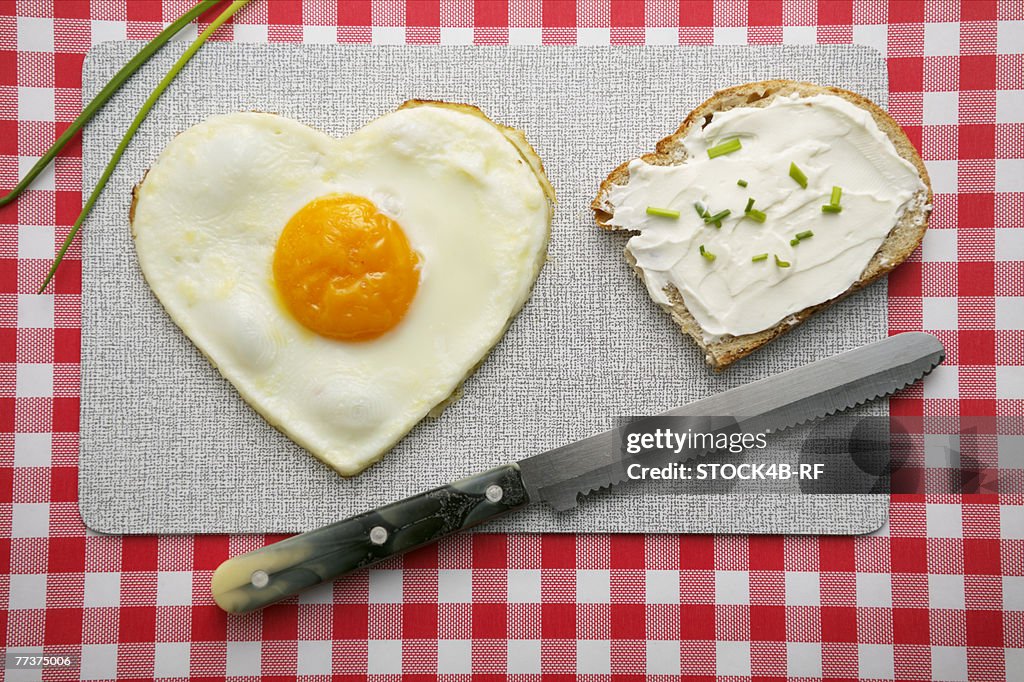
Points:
x=707, y=254
x=833, y=204
x=727, y=147
x=718, y=217
x=800, y=236
x=759, y=257
x=798, y=175
x=662, y=212
x=756, y=215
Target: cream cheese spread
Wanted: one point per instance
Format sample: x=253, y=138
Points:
x=834, y=143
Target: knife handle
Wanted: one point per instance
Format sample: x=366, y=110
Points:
x=272, y=573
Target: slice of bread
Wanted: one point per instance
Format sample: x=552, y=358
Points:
x=901, y=241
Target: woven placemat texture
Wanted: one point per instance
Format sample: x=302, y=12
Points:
x=168, y=446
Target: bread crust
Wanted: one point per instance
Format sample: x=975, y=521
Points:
x=905, y=236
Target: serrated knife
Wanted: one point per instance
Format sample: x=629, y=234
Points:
x=559, y=476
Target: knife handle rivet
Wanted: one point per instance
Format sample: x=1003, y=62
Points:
x=378, y=535
x=259, y=579
x=494, y=493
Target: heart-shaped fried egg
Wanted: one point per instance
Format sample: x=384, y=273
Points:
x=344, y=287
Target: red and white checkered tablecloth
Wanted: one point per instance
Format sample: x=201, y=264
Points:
x=938, y=594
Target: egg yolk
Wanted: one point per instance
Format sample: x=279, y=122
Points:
x=344, y=269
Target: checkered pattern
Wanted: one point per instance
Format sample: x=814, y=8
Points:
x=938, y=594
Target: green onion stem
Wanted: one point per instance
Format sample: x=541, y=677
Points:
x=756, y=215
x=781, y=263
x=798, y=175
x=833, y=205
x=104, y=95
x=750, y=205
x=759, y=257
x=741, y=182
x=662, y=212
x=136, y=122
x=806, y=234
x=707, y=254
x=727, y=147
x=718, y=217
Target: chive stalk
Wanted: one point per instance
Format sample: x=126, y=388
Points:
x=228, y=12
x=718, y=217
x=727, y=147
x=707, y=254
x=750, y=205
x=757, y=215
x=806, y=234
x=759, y=257
x=662, y=212
x=104, y=95
x=741, y=182
x=700, y=208
x=798, y=175
x=833, y=204
x=781, y=263
x=794, y=241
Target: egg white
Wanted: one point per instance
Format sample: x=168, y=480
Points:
x=206, y=222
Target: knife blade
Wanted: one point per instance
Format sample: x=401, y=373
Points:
x=559, y=476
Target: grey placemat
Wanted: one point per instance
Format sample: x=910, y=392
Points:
x=168, y=446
